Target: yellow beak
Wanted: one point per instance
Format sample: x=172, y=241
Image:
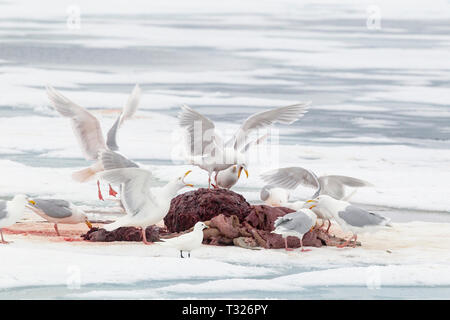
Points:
x=310, y=201
x=88, y=224
x=188, y=184
x=240, y=170
x=312, y=207
x=32, y=202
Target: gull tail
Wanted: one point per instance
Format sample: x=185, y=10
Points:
x=83, y=175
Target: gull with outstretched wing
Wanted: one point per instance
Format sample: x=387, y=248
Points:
x=206, y=148
x=88, y=132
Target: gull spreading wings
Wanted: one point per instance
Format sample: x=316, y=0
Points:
x=332, y=185
x=144, y=205
x=193, y=120
x=136, y=195
x=88, y=132
x=206, y=147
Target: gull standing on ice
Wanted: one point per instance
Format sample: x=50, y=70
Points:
x=11, y=212
x=58, y=211
x=206, y=147
x=144, y=206
x=87, y=129
x=292, y=177
x=349, y=217
x=188, y=241
x=295, y=224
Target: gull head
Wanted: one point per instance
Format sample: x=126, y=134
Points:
x=321, y=203
x=180, y=180
x=20, y=199
x=242, y=167
x=199, y=226
x=87, y=222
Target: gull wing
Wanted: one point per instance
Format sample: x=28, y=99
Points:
x=291, y=178
x=128, y=111
x=136, y=187
x=334, y=185
x=200, y=129
x=255, y=142
x=3, y=209
x=85, y=125
x=358, y=217
x=55, y=208
x=296, y=221
x=113, y=160
x=286, y=115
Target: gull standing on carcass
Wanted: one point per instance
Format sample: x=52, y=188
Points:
x=292, y=177
x=349, y=217
x=144, y=206
x=295, y=224
x=229, y=177
x=188, y=241
x=87, y=129
x=58, y=211
x=206, y=148
x=11, y=212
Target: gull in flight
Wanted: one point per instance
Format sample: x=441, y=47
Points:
x=88, y=132
x=206, y=147
x=143, y=206
x=58, y=211
x=348, y=216
x=295, y=224
x=11, y=212
x=290, y=178
x=188, y=241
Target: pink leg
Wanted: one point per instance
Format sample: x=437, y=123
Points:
x=286, y=246
x=329, y=225
x=209, y=181
x=354, y=240
x=112, y=192
x=3, y=240
x=56, y=229
x=144, y=237
x=347, y=242
x=303, y=249
x=100, y=196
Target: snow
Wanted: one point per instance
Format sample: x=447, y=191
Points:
x=34, y=263
x=411, y=254
x=379, y=113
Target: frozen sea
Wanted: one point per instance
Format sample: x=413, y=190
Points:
x=377, y=73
